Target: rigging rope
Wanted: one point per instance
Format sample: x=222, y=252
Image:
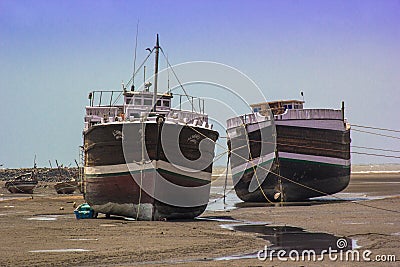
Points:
x=375, y=128
x=292, y=181
x=389, y=136
x=177, y=79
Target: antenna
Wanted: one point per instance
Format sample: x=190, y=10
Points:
x=167, y=74
x=144, y=75
x=302, y=95
x=134, y=59
x=157, y=48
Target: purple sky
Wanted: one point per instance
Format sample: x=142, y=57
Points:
x=54, y=52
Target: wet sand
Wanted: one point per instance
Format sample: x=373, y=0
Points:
x=42, y=230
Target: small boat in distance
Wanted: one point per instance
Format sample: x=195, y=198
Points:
x=24, y=183
x=65, y=185
x=283, y=152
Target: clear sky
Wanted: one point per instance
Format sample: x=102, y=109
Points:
x=53, y=53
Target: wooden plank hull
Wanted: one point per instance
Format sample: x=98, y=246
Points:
x=306, y=162
x=25, y=187
x=120, y=179
x=66, y=187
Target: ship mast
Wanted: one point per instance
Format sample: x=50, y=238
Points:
x=157, y=48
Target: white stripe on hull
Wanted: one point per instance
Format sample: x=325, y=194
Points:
x=254, y=162
x=134, y=167
x=313, y=158
x=337, y=125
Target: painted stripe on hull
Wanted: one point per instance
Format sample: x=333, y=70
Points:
x=313, y=158
x=123, y=169
x=326, y=124
x=253, y=163
x=244, y=168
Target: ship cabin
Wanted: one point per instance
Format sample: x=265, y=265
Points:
x=137, y=102
x=277, y=107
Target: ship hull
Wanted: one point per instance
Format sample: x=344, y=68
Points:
x=306, y=162
x=21, y=187
x=136, y=178
x=67, y=187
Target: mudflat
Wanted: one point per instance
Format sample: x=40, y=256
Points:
x=41, y=229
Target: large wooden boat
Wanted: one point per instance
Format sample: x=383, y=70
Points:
x=283, y=152
x=144, y=159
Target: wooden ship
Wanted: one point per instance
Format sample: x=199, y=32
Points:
x=145, y=159
x=24, y=183
x=283, y=152
x=65, y=184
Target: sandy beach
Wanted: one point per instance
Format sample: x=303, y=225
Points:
x=41, y=229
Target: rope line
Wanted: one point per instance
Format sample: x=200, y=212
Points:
x=177, y=79
x=292, y=181
x=375, y=128
x=389, y=136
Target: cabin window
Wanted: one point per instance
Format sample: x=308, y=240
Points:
x=256, y=109
x=138, y=101
x=147, y=102
x=290, y=106
x=128, y=100
x=166, y=103
x=158, y=103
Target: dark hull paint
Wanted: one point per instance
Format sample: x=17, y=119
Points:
x=304, y=179
x=121, y=194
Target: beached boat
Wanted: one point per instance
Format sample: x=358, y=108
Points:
x=145, y=159
x=66, y=187
x=283, y=152
x=66, y=184
x=24, y=183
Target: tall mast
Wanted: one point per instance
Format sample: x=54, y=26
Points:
x=157, y=48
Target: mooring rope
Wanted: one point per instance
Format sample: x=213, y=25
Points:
x=291, y=180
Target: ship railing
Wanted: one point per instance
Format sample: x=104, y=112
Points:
x=98, y=98
x=105, y=98
x=187, y=116
x=196, y=103
x=310, y=114
x=246, y=119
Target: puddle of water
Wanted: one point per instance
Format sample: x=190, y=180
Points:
x=217, y=219
x=232, y=201
x=9, y=206
x=47, y=217
x=397, y=234
x=354, y=223
x=60, y=250
x=288, y=238
x=82, y=239
x=107, y=225
x=216, y=202
x=129, y=219
x=348, y=197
